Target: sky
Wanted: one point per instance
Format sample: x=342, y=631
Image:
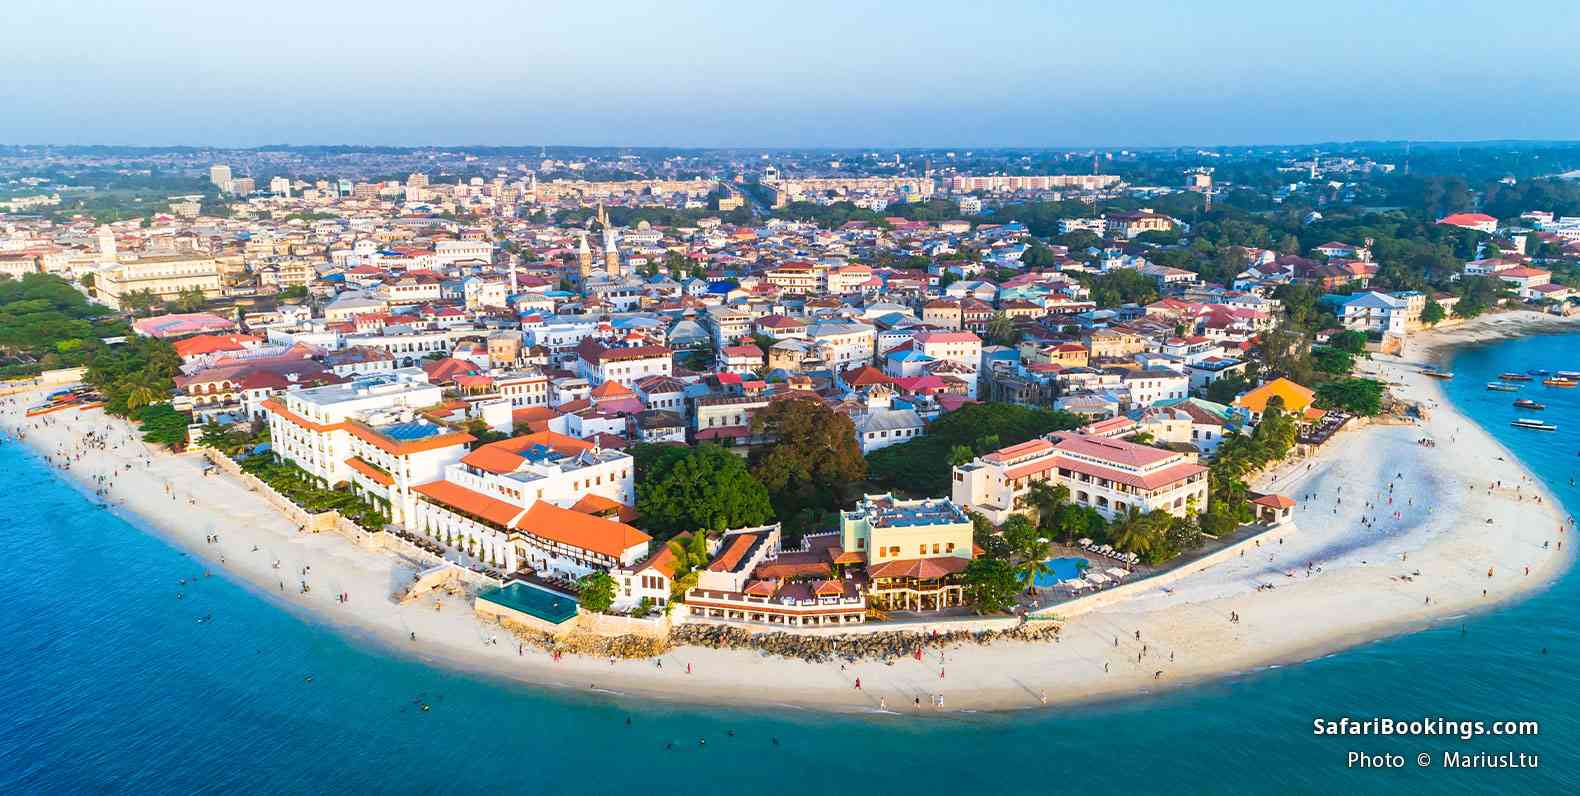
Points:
x=759, y=73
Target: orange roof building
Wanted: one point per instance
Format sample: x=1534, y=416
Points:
x=1297, y=399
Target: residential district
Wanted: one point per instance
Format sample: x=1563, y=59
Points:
x=790, y=396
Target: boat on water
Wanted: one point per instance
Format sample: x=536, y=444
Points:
x=1534, y=425
x=1539, y=371
x=1439, y=374
x=1514, y=377
x=1526, y=403
x=1501, y=387
x=1568, y=374
x=1555, y=382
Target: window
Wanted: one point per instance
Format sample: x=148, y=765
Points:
x=950, y=548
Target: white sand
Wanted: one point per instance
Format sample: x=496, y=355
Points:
x=1357, y=596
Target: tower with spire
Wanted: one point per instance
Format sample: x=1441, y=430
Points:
x=583, y=259
x=611, y=254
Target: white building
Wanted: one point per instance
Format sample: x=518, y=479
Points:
x=545, y=501
x=366, y=433
x=1108, y=475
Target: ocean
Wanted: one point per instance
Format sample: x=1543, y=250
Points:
x=113, y=685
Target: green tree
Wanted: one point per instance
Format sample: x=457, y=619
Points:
x=190, y=300
x=1275, y=432
x=1027, y=548
x=701, y=488
x=1332, y=360
x=1001, y=330
x=990, y=585
x=961, y=454
x=815, y=454
x=163, y=425
x=1047, y=499
x=140, y=302
x=1351, y=341
x=597, y=592
x=1432, y=314
x=1356, y=396
x=691, y=555
x=1139, y=532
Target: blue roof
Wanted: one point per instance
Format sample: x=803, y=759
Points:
x=909, y=355
x=411, y=430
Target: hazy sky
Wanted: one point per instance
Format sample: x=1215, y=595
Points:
x=807, y=73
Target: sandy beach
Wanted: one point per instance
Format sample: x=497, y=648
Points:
x=1365, y=581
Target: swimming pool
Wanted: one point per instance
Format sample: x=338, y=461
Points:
x=533, y=601
x=1057, y=569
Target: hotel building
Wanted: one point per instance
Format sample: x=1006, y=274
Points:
x=366, y=433
x=1109, y=475
x=546, y=501
x=913, y=550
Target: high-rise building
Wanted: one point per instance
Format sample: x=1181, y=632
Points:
x=220, y=176
x=280, y=186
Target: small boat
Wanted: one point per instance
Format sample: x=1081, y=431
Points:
x=1538, y=371
x=1514, y=377
x=1439, y=374
x=1501, y=387
x=1534, y=425
x=1568, y=374
x=1555, y=382
x=1526, y=403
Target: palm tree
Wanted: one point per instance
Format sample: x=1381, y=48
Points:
x=1047, y=498
x=1001, y=329
x=1026, y=546
x=1136, y=531
x=141, y=394
x=140, y=301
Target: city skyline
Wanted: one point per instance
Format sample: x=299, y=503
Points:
x=710, y=75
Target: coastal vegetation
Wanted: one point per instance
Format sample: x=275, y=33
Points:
x=305, y=490
x=45, y=323
x=133, y=374
x=597, y=592
x=1356, y=396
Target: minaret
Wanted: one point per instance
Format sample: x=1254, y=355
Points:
x=513, y=276
x=611, y=255
x=584, y=259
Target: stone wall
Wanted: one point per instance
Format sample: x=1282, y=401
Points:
x=614, y=625
x=970, y=624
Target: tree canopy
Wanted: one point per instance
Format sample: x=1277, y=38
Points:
x=702, y=488
x=815, y=447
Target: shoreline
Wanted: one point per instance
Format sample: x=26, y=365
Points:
x=1185, y=633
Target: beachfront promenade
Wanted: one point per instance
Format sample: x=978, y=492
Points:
x=1365, y=581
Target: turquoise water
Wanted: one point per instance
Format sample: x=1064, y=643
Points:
x=1057, y=569
x=112, y=685
x=545, y=605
